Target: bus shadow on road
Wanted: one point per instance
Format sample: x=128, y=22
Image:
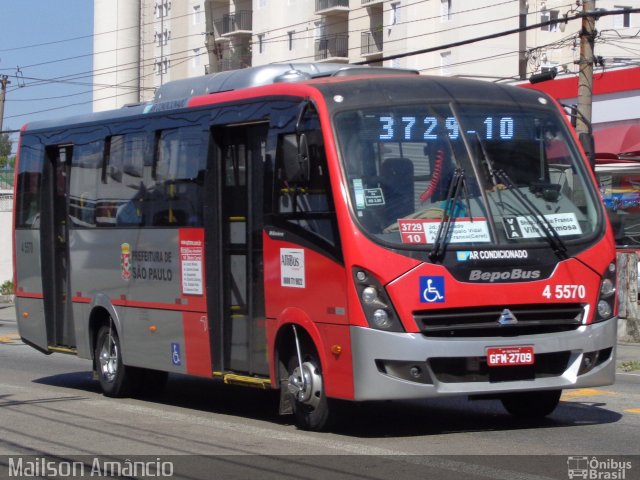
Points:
x=459, y=414
x=367, y=419
x=76, y=380
x=215, y=397
x=191, y=392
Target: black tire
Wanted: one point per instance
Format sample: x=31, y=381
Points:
x=313, y=414
x=531, y=404
x=116, y=379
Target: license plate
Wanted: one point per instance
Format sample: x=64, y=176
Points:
x=509, y=356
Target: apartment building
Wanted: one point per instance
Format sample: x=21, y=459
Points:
x=116, y=54
x=139, y=45
x=173, y=42
x=183, y=38
x=369, y=31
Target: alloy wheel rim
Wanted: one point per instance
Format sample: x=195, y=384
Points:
x=109, y=359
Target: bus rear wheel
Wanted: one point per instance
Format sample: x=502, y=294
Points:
x=115, y=378
x=309, y=402
x=531, y=404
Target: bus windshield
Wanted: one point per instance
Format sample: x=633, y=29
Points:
x=465, y=175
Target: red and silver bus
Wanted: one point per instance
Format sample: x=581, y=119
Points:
x=334, y=232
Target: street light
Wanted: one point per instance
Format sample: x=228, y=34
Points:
x=544, y=76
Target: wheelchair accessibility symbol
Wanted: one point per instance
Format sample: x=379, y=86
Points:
x=175, y=354
x=432, y=290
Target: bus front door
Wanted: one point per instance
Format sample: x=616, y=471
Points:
x=55, y=247
x=234, y=237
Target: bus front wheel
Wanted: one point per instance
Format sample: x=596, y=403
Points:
x=115, y=377
x=531, y=404
x=309, y=402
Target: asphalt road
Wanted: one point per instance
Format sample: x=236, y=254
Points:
x=50, y=406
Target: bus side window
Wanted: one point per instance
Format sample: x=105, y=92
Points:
x=29, y=179
x=179, y=176
x=127, y=178
x=86, y=165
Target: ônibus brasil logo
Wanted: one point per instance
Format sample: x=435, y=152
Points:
x=594, y=468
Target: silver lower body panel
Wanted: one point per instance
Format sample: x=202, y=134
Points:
x=389, y=366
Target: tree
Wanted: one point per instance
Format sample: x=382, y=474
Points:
x=5, y=150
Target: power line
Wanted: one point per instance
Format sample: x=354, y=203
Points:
x=93, y=54
x=135, y=65
x=118, y=69
x=287, y=27
x=184, y=59
x=272, y=40
x=498, y=35
x=284, y=38
x=551, y=22
x=54, y=42
x=159, y=21
x=443, y=31
x=267, y=41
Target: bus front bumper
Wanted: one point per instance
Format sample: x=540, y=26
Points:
x=390, y=366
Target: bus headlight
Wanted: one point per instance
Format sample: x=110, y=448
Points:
x=375, y=302
x=605, y=308
x=369, y=295
x=381, y=319
x=606, y=288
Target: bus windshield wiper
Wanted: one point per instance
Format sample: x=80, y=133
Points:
x=456, y=186
x=488, y=164
x=537, y=216
x=500, y=176
x=473, y=160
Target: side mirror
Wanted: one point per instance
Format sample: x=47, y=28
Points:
x=295, y=158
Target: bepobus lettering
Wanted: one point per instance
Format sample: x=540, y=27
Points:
x=515, y=274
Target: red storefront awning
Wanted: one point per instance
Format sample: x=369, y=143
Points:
x=618, y=143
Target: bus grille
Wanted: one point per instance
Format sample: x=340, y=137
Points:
x=500, y=321
x=475, y=369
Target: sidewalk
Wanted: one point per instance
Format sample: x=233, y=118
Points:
x=627, y=352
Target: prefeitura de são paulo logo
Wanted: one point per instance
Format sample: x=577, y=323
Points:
x=125, y=261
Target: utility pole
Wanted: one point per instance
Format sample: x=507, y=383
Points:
x=522, y=41
x=585, y=76
x=4, y=81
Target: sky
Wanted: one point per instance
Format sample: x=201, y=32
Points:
x=46, y=49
